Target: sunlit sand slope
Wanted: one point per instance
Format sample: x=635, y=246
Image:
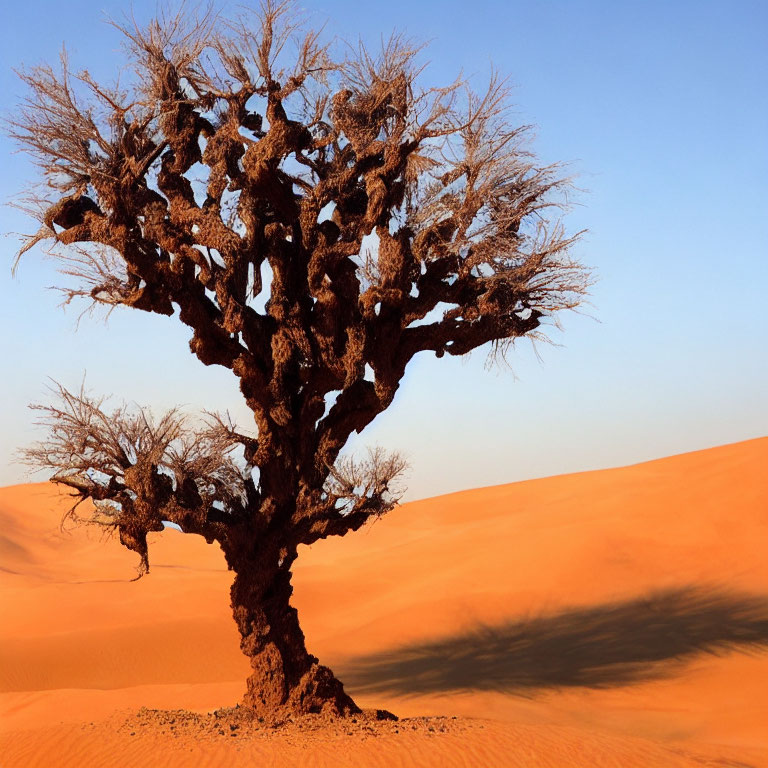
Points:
x=606, y=618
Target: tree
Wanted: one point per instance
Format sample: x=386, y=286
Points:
x=378, y=220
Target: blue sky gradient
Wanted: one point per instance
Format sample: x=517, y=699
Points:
x=659, y=108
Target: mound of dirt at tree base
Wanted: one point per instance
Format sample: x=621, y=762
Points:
x=178, y=738
x=571, y=562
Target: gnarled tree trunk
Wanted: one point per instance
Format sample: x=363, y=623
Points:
x=285, y=676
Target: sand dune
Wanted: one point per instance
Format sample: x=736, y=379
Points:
x=606, y=618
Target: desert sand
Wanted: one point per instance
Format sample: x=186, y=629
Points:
x=608, y=618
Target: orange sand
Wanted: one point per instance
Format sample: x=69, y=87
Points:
x=80, y=642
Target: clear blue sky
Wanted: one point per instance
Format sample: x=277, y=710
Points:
x=661, y=109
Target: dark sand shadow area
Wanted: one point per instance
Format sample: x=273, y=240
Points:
x=606, y=645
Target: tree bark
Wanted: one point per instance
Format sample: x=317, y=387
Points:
x=285, y=677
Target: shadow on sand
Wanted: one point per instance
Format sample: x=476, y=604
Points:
x=605, y=645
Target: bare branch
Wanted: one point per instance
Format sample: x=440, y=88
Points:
x=356, y=491
x=140, y=471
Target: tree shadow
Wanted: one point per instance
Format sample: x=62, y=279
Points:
x=606, y=645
